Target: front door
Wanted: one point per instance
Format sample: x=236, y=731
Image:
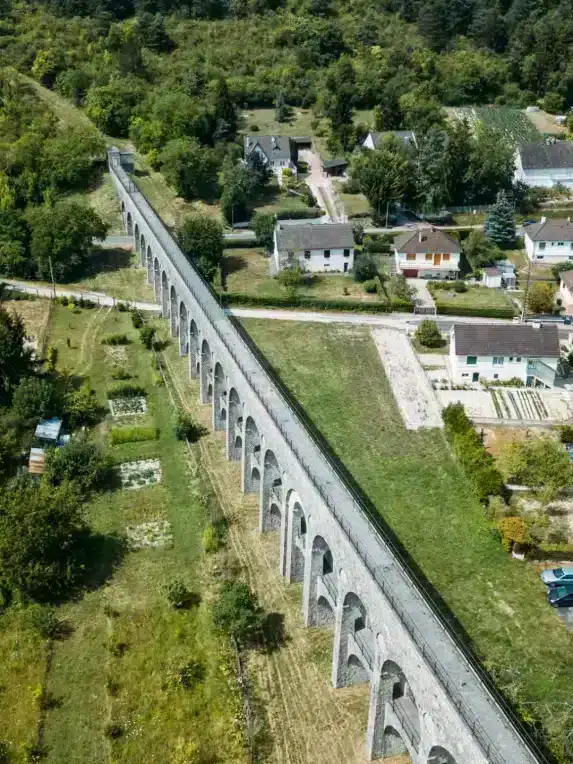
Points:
x=437, y=259
x=475, y=376
x=345, y=267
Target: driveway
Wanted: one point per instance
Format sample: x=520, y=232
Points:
x=423, y=297
x=321, y=186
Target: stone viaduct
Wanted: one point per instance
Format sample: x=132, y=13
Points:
x=426, y=698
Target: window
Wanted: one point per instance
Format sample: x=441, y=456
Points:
x=346, y=253
x=539, y=257
x=541, y=245
x=429, y=257
x=410, y=257
x=327, y=253
x=307, y=254
x=496, y=376
x=498, y=360
x=560, y=243
x=510, y=358
x=471, y=360
x=465, y=375
x=518, y=359
x=445, y=258
x=571, y=245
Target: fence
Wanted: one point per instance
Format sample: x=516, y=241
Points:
x=216, y=318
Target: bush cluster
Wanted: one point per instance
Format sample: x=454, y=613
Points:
x=133, y=434
x=136, y=320
x=115, y=339
x=463, y=310
x=477, y=463
x=309, y=213
x=289, y=301
x=126, y=390
x=186, y=428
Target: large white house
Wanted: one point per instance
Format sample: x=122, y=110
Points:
x=278, y=151
x=549, y=241
x=545, y=164
x=319, y=247
x=491, y=352
x=427, y=254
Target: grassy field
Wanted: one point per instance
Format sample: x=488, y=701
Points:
x=248, y=273
x=102, y=197
x=421, y=493
x=354, y=204
x=125, y=642
x=475, y=297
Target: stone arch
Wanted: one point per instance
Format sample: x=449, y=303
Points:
x=439, y=755
x=234, y=426
x=255, y=480
x=252, y=457
x=272, y=492
x=323, y=584
x=183, y=330
x=275, y=518
x=123, y=207
x=219, y=398
x=206, y=373
x=394, y=745
x=143, y=251
x=298, y=539
x=324, y=612
x=394, y=695
x=194, y=363
x=173, y=322
x=149, y=266
x=129, y=224
x=354, y=638
x=164, y=295
x=137, y=239
x=157, y=280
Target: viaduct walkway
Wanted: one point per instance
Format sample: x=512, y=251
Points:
x=428, y=697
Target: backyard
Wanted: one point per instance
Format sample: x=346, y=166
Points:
x=475, y=297
x=122, y=634
x=423, y=496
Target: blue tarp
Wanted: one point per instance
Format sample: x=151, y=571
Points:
x=49, y=429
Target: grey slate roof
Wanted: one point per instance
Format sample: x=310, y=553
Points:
x=426, y=241
x=512, y=339
x=406, y=136
x=294, y=238
x=273, y=146
x=551, y=230
x=547, y=156
x=330, y=163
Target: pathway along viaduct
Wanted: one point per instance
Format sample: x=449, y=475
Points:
x=425, y=697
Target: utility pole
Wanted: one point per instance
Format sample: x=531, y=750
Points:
x=526, y=293
x=52, y=275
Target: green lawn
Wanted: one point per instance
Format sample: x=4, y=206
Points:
x=475, y=297
x=421, y=493
x=90, y=683
x=354, y=204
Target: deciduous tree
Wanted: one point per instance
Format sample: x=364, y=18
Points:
x=201, y=238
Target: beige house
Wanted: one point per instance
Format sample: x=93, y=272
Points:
x=427, y=254
x=566, y=291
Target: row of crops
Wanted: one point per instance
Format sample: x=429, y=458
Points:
x=511, y=122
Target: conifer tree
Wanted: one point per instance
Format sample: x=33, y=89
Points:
x=500, y=223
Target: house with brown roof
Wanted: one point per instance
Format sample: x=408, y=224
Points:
x=492, y=352
x=427, y=254
x=549, y=241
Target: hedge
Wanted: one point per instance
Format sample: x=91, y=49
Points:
x=464, y=310
x=236, y=298
x=241, y=243
x=127, y=390
x=304, y=214
x=132, y=434
x=115, y=339
x=556, y=552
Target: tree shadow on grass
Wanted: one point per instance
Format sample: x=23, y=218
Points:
x=98, y=556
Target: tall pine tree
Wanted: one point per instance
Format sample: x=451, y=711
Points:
x=500, y=223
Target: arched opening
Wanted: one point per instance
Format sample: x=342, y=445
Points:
x=356, y=672
x=324, y=612
x=219, y=398
x=272, y=488
x=164, y=295
x=149, y=266
x=235, y=427
x=206, y=374
x=123, y=208
x=157, y=280
x=252, y=455
x=356, y=638
x=143, y=250
x=394, y=693
x=298, y=541
x=439, y=755
x=274, y=518
x=137, y=239
x=193, y=350
x=183, y=330
x=129, y=224
x=323, y=581
x=173, y=317
x=255, y=480
x=394, y=745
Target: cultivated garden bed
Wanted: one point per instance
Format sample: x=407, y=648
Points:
x=140, y=474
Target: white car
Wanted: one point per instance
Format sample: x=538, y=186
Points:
x=557, y=576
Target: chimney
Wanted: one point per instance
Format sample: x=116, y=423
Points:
x=543, y=220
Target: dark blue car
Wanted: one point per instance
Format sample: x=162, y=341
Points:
x=560, y=596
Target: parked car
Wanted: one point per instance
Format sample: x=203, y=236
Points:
x=557, y=576
x=560, y=596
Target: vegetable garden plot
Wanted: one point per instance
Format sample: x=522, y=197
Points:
x=140, y=474
x=153, y=535
x=127, y=406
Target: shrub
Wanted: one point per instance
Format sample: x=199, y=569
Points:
x=364, y=268
x=358, y=232
x=115, y=339
x=43, y=620
x=81, y=407
x=63, y=300
x=188, y=675
x=113, y=731
x=186, y=427
x=212, y=539
x=237, y=612
x=119, y=435
x=376, y=246
x=52, y=358
x=429, y=335
x=254, y=128
x=291, y=277
x=460, y=286
x=513, y=531
x=370, y=286
x=80, y=461
x=36, y=398
x=136, y=320
x=157, y=379
x=308, y=213
x=147, y=336
x=120, y=374
x=127, y=390
x=177, y=594
x=455, y=419
x=122, y=307
x=566, y=433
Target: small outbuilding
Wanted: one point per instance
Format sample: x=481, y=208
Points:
x=492, y=277
x=48, y=430
x=334, y=167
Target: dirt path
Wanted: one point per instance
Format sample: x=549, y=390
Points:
x=85, y=356
x=307, y=719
